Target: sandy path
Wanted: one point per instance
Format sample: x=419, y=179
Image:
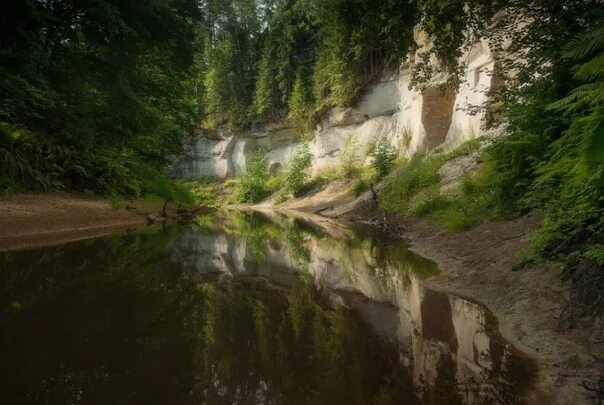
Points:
x=31, y=220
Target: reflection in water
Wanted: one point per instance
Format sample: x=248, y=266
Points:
x=250, y=308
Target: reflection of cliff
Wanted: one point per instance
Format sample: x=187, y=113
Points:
x=443, y=338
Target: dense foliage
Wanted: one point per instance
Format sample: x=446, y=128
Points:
x=93, y=94
x=105, y=89
x=274, y=60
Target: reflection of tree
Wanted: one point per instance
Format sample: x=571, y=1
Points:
x=260, y=233
x=295, y=240
x=116, y=320
x=258, y=344
x=395, y=256
x=255, y=230
x=92, y=321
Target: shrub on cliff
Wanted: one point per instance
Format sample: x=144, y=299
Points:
x=384, y=154
x=251, y=187
x=296, y=177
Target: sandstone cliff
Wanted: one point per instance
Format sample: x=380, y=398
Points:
x=413, y=121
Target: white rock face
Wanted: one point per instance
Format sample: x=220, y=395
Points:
x=242, y=150
x=205, y=157
x=412, y=121
x=473, y=93
x=383, y=98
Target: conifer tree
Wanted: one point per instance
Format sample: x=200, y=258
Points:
x=298, y=102
x=266, y=102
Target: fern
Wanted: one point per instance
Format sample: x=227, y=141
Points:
x=584, y=104
x=592, y=70
x=586, y=44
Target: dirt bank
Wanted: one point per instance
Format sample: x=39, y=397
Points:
x=31, y=220
x=477, y=264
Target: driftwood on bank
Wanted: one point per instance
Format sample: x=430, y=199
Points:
x=181, y=214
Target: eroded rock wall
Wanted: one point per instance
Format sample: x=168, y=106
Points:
x=413, y=121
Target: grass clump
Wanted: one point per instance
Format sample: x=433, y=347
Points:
x=409, y=178
x=470, y=205
x=413, y=190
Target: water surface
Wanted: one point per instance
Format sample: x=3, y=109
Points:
x=247, y=308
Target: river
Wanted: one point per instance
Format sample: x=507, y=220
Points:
x=245, y=308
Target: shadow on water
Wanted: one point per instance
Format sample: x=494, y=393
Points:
x=250, y=308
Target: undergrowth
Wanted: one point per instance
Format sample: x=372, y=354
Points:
x=256, y=183
x=252, y=185
x=29, y=162
x=413, y=190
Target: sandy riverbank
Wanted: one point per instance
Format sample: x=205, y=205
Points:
x=32, y=220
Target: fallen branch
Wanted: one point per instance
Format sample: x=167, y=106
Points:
x=319, y=212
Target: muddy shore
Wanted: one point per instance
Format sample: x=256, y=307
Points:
x=478, y=264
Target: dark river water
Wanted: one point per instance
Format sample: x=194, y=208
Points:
x=247, y=308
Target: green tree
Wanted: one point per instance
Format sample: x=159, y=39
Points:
x=100, y=88
x=298, y=104
x=267, y=103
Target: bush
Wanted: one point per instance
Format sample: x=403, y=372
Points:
x=252, y=187
x=296, y=177
x=360, y=186
x=384, y=155
x=205, y=191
